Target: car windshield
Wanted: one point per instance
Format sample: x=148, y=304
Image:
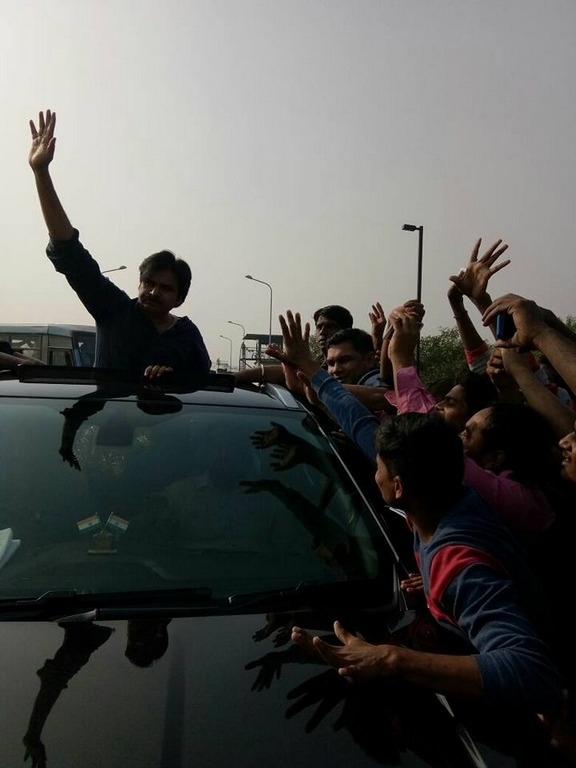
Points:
x=117, y=495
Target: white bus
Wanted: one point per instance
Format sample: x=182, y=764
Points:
x=54, y=344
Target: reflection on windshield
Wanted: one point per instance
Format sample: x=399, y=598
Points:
x=132, y=494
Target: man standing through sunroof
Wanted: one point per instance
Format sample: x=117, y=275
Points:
x=141, y=336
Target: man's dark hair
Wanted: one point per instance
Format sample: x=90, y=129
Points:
x=524, y=437
x=479, y=391
x=167, y=260
x=425, y=452
x=337, y=314
x=361, y=340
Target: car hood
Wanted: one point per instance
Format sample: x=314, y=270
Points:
x=224, y=688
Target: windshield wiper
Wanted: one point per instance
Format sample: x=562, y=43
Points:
x=361, y=593
x=71, y=604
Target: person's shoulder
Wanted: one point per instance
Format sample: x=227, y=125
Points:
x=185, y=327
x=468, y=515
x=373, y=379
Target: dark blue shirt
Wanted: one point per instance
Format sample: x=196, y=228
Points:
x=126, y=338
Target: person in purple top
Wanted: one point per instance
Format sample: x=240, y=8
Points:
x=141, y=336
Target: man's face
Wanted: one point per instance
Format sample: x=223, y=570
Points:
x=568, y=448
x=386, y=483
x=454, y=408
x=473, y=435
x=324, y=329
x=346, y=364
x=158, y=292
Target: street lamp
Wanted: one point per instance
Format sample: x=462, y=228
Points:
x=420, y=230
x=242, y=346
x=230, y=358
x=116, y=269
x=249, y=277
x=240, y=326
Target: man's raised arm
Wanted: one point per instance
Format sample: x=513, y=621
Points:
x=40, y=157
x=538, y=328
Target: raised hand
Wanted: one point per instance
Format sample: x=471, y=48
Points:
x=296, y=342
x=405, y=338
x=472, y=280
x=43, y=141
x=377, y=324
x=414, y=308
x=530, y=320
x=500, y=376
x=275, y=351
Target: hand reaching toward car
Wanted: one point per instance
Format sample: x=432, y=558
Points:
x=355, y=659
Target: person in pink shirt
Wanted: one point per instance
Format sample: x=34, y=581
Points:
x=498, y=464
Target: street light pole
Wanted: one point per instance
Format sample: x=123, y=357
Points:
x=420, y=230
x=116, y=269
x=249, y=277
x=230, y=358
x=242, y=346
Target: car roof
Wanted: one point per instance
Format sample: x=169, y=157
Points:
x=62, y=382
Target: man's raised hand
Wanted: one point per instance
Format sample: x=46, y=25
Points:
x=472, y=280
x=43, y=141
x=296, y=342
x=530, y=319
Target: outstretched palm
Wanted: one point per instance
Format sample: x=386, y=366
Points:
x=472, y=280
x=43, y=141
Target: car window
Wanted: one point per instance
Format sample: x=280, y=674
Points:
x=124, y=495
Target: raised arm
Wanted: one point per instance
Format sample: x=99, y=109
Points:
x=469, y=336
x=377, y=325
x=411, y=393
x=538, y=328
x=472, y=282
x=40, y=157
x=536, y=394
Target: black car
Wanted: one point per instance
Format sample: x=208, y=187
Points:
x=156, y=547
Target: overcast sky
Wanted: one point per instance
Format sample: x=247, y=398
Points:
x=290, y=140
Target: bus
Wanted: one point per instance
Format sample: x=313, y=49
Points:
x=71, y=345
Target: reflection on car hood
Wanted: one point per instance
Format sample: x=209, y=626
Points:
x=224, y=688
x=221, y=688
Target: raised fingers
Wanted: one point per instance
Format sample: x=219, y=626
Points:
x=476, y=250
x=495, y=250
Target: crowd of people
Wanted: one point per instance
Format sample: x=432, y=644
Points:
x=483, y=472
x=483, y=468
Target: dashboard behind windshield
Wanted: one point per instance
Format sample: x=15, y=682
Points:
x=123, y=495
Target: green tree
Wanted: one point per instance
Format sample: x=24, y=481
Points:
x=441, y=356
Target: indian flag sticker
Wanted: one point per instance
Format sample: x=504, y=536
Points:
x=88, y=523
x=117, y=522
